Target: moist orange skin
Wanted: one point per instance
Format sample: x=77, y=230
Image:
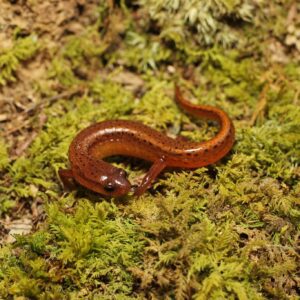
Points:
x=134, y=139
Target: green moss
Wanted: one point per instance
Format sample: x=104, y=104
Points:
x=68, y=65
x=10, y=59
x=5, y=201
x=157, y=109
x=227, y=231
x=90, y=248
x=143, y=53
x=4, y=158
x=204, y=21
x=183, y=241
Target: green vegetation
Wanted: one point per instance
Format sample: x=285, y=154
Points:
x=91, y=249
x=10, y=59
x=227, y=231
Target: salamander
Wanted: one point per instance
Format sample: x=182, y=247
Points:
x=131, y=138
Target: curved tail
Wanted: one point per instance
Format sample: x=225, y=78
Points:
x=221, y=144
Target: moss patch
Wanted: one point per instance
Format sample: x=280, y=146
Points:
x=227, y=231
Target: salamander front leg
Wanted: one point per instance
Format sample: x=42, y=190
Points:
x=66, y=176
x=155, y=169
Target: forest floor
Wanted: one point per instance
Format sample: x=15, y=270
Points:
x=227, y=231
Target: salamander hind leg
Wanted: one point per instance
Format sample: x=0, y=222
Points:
x=67, y=178
x=153, y=172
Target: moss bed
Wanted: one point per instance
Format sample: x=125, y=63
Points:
x=227, y=231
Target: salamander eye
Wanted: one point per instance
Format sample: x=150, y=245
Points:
x=109, y=187
x=123, y=173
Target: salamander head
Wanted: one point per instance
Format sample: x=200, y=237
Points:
x=103, y=178
x=115, y=184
